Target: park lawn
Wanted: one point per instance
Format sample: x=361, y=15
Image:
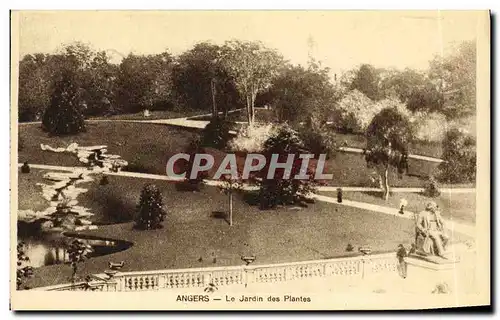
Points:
x=29, y=194
x=350, y=169
x=423, y=148
x=154, y=115
x=454, y=206
x=146, y=147
x=194, y=234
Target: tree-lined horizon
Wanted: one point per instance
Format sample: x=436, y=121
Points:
x=240, y=74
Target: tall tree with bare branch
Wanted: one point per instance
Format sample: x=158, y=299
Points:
x=252, y=67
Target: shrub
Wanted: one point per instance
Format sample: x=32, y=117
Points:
x=356, y=111
x=459, y=155
x=137, y=165
x=278, y=190
x=430, y=126
x=319, y=139
x=63, y=115
x=77, y=252
x=24, y=270
x=150, y=209
x=285, y=140
x=252, y=138
x=104, y=181
x=431, y=188
x=25, y=168
x=216, y=134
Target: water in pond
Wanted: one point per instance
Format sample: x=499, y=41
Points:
x=50, y=248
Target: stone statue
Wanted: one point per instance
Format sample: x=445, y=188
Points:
x=430, y=236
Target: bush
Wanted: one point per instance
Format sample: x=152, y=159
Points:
x=356, y=111
x=150, y=209
x=430, y=126
x=431, y=188
x=285, y=140
x=459, y=155
x=216, y=134
x=252, y=138
x=24, y=270
x=278, y=190
x=63, y=115
x=319, y=139
x=137, y=165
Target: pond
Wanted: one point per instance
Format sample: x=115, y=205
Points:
x=50, y=248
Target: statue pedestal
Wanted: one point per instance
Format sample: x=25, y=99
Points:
x=433, y=262
x=457, y=273
x=453, y=255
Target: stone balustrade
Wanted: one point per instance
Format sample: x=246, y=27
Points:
x=352, y=268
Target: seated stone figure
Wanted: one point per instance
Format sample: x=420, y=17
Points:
x=430, y=238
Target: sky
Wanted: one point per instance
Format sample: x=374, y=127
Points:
x=341, y=40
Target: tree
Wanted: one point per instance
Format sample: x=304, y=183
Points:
x=100, y=84
x=366, y=81
x=229, y=186
x=355, y=111
x=459, y=155
x=150, y=213
x=24, y=270
x=195, y=72
x=94, y=75
x=300, y=93
x=145, y=82
x=318, y=138
x=252, y=68
x=34, y=87
x=454, y=76
x=412, y=88
x=64, y=115
x=216, y=134
x=78, y=251
x=388, y=138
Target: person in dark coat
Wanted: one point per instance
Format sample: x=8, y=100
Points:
x=402, y=267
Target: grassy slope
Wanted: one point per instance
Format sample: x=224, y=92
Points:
x=148, y=144
x=350, y=169
x=455, y=206
x=191, y=231
x=30, y=195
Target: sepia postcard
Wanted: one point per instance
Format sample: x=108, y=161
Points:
x=250, y=160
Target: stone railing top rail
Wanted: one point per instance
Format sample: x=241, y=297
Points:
x=261, y=266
